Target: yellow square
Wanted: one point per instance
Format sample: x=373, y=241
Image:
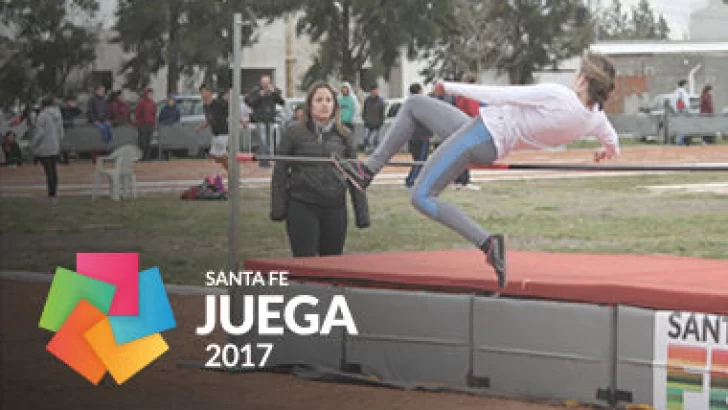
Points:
x=124, y=361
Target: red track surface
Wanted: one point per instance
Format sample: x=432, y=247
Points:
x=655, y=282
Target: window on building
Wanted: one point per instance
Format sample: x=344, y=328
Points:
x=105, y=78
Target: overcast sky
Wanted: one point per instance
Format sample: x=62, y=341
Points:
x=676, y=12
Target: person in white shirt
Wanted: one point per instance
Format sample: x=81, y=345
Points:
x=680, y=99
x=680, y=103
x=515, y=118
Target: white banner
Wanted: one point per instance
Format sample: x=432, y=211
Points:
x=691, y=361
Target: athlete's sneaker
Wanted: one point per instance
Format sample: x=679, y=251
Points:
x=495, y=250
x=357, y=173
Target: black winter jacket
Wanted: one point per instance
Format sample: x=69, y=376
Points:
x=319, y=184
x=264, y=106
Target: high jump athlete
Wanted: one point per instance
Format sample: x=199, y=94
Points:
x=519, y=117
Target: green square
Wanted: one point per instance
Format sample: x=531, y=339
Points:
x=67, y=289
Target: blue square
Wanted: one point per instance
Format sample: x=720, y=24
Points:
x=155, y=312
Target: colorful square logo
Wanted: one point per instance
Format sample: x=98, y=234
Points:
x=107, y=316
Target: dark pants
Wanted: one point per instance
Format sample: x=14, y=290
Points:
x=464, y=178
x=266, y=139
x=145, y=140
x=371, y=136
x=315, y=230
x=420, y=150
x=11, y=159
x=51, y=173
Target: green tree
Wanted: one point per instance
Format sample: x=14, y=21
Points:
x=642, y=23
x=185, y=36
x=44, y=41
x=458, y=49
x=515, y=37
x=613, y=22
x=351, y=33
x=663, y=30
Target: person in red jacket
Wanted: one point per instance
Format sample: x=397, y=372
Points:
x=119, y=113
x=706, y=108
x=706, y=100
x=472, y=109
x=146, y=121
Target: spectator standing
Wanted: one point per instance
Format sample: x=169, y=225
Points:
x=12, y=155
x=419, y=144
x=706, y=108
x=373, y=116
x=69, y=112
x=146, y=121
x=311, y=198
x=680, y=104
x=216, y=117
x=706, y=101
x=349, y=106
x=46, y=144
x=263, y=100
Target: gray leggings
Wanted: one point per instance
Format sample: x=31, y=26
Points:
x=466, y=141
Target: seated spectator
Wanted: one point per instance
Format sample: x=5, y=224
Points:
x=170, y=113
x=98, y=114
x=119, y=112
x=69, y=111
x=11, y=150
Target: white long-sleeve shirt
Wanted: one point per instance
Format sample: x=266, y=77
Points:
x=537, y=116
x=680, y=94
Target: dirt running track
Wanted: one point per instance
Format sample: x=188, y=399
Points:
x=34, y=379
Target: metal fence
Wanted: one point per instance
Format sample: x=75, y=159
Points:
x=182, y=140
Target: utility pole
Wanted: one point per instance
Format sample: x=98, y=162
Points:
x=233, y=164
x=290, y=60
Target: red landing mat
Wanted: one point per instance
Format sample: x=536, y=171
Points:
x=655, y=282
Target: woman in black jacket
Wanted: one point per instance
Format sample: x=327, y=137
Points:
x=311, y=198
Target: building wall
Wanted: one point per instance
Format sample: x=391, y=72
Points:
x=411, y=73
x=269, y=52
x=630, y=92
x=664, y=71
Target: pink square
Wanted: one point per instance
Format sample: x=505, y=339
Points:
x=119, y=269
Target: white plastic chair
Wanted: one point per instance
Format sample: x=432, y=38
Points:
x=121, y=177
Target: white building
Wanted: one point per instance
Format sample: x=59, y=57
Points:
x=278, y=53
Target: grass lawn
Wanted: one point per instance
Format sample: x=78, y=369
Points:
x=631, y=142
x=187, y=238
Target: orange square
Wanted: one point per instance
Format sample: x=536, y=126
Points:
x=69, y=344
x=125, y=360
